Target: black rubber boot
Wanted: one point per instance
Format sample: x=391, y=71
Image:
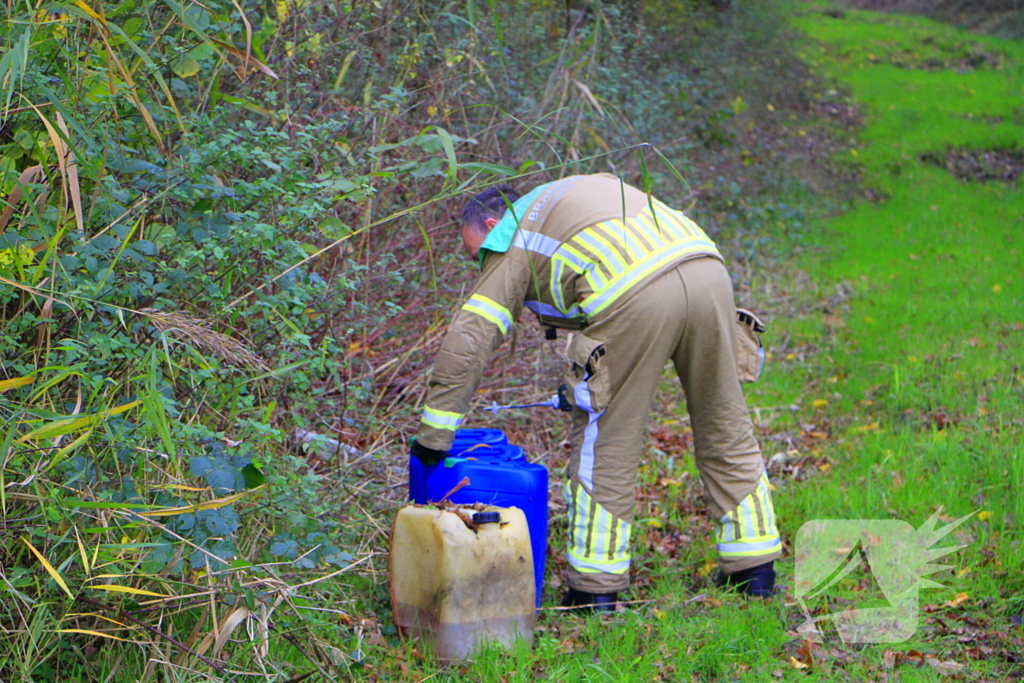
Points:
x=758, y=582
x=590, y=602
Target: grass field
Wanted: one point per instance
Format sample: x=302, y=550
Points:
x=905, y=373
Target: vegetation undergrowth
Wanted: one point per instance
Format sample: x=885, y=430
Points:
x=225, y=263
x=221, y=292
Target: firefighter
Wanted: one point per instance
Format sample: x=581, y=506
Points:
x=639, y=284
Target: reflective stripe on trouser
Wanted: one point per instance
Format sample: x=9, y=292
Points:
x=749, y=530
x=686, y=315
x=598, y=541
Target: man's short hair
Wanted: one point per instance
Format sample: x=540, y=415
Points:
x=491, y=203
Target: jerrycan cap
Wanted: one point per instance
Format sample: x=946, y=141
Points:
x=490, y=517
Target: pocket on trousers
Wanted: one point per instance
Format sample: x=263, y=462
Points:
x=749, y=351
x=589, y=387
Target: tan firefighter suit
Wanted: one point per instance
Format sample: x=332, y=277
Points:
x=642, y=284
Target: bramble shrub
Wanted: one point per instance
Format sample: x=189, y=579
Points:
x=221, y=225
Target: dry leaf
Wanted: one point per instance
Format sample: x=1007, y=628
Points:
x=945, y=668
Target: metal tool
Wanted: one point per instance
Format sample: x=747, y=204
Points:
x=559, y=401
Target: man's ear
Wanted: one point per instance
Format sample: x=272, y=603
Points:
x=490, y=223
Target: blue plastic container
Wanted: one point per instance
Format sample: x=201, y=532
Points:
x=471, y=440
x=468, y=438
x=499, y=475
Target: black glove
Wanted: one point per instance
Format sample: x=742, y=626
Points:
x=427, y=456
x=563, y=398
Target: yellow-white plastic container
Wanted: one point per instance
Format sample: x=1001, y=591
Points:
x=457, y=581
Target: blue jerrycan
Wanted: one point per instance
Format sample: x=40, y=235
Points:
x=499, y=475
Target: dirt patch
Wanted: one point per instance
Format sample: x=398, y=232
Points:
x=936, y=6
x=1004, y=18
x=934, y=53
x=1004, y=165
x=959, y=56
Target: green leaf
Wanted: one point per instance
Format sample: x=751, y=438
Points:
x=449, y=150
x=145, y=246
x=186, y=66
x=70, y=424
x=76, y=503
x=496, y=169
x=253, y=476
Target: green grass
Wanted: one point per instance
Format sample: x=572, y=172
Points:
x=912, y=378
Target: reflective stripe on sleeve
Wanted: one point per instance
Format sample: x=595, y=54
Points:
x=535, y=242
x=441, y=419
x=490, y=310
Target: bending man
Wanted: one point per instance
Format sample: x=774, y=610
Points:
x=640, y=284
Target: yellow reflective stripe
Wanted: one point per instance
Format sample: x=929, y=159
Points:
x=600, y=300
x=557, y=265
x=613, y=251
x=595, y=279
x=441, y=419
x=764, y=495
x=622, y=539
x=581, y=259
x=490, y=310
x=751, y=548
x=696, y=229
x=752, y=525
x=747, y=517
x=598, y=541
x=601, y=541
x=616, y=230
x=590, y=565
x=587, y=266
x=727, y=528
x=660, y=230
x=579, y=508
x=649, y=244
x=760, y=509
x=673, y=217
